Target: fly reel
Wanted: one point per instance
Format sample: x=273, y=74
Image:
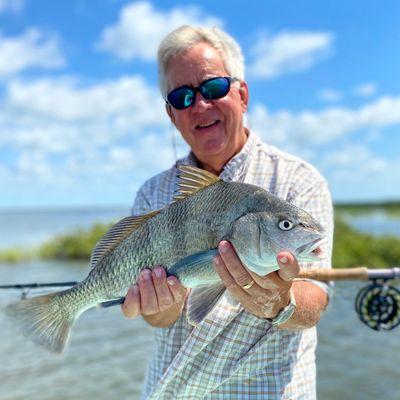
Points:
x=378, y=306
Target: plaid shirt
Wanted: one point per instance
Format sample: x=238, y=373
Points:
x=233, y=354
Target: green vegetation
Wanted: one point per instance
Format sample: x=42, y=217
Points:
x=390, y=207
x=351, y=248
x=15, y=255
x=76, y=245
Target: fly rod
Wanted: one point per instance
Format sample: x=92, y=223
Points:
x=350, y=274
x=377, y=304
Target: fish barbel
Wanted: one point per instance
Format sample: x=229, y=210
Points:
x=183, y=237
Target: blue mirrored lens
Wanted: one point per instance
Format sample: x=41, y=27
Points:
x=215, y=88
x=181, y=98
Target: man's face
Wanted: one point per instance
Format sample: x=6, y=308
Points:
x=212, y=128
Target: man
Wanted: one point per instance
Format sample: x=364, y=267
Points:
x=259, y=341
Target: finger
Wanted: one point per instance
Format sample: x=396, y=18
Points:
x=228, y=280
x=164, y=295
x=178, y=291
x=148, y=296
x=288, y=266
x=234, y=265
x=131, y=306
x=250, y=301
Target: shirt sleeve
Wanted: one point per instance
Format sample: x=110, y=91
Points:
x=141, y=204
x=316, y=200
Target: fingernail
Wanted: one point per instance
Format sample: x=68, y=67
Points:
x=216, y=261
x=135, y=289
x=224, y=247
x=158, y=272
x=146, y=275
x=171, y=282
x=283, y=260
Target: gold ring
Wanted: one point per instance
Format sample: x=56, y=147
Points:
x=248, y=285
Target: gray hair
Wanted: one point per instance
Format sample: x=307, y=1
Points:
x=186, y=36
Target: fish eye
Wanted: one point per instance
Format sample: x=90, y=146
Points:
x=285, y=225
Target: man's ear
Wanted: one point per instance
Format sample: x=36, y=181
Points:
x=170, y=113
x=244, y=95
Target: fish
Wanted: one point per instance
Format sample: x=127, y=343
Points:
x=183, y=237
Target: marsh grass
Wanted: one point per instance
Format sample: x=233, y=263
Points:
x=76, y=245
x=16, y=255
x=352, y=248
x=388, y=207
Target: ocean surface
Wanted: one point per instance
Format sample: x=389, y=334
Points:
x=107, y=354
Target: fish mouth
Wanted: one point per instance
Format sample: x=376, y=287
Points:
x=312, y=250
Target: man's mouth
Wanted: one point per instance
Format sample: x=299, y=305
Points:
x=207, y=124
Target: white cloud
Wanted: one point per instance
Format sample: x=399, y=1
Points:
x=355, y=155
x=329, y=95
x=352, y=167
x=60, y=131
x=30, y=50
x=288, y=51
x=121, y=157
x=11, y=5
x=140, y=28
x=34, y=165
x=125, y=101
x=322, y=127
x=355, y=170
x=365, y=90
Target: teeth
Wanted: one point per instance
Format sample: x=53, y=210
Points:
x=206, y=125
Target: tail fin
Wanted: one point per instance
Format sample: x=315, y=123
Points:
x=44, y=320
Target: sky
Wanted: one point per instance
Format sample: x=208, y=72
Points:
x=82, y=122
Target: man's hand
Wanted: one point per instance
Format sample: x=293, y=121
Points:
x=263, y=296
x=157, y=298
x=271, y=293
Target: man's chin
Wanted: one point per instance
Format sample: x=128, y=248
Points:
x=213, y=148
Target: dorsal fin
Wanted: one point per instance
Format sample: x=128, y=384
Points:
x=191, y=180
x=116, y=235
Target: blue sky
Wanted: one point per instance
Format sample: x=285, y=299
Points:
x=82, y=122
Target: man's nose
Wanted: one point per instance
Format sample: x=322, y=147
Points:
x=201, y=103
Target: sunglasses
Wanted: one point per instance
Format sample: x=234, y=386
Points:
x=211, y=89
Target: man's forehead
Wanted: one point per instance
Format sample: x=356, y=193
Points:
x=209, y=52
x=194, y=65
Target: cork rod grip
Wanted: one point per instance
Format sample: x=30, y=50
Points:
x=360, y=273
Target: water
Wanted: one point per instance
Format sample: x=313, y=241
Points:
x=377, y=222
x=107, y=353
x=105, y=357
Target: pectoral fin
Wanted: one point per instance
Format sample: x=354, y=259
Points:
x=196, y=269
x=201, y=301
